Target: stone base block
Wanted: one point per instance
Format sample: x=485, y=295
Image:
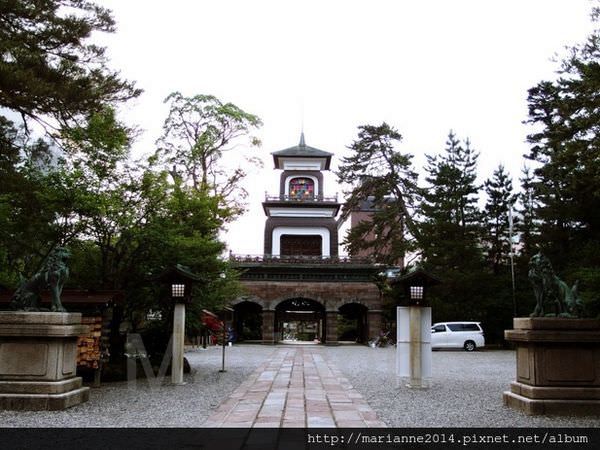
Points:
x=558, y=362
x=40, y=387
x=554, y=392
x=44, y=402
x=38, y=352
x=532, y=406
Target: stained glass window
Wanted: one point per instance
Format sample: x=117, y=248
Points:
x=302, y=188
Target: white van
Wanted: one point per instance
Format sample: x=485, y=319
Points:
x=467, y=335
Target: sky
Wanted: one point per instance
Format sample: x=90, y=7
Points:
x=328, y=66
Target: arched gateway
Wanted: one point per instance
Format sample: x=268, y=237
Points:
x=299, y=288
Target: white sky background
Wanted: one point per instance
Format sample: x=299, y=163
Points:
x=424, y=67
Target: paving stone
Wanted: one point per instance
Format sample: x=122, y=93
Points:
x=297, y=388
x=320, y=422
x=247, y=407
x=352, y=424
x=293, y=423
x=236, y=424
x=347, y=415
x=343, y=406
x=339, y=398
x=266, y=424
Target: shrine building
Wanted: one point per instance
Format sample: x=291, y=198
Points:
x=300, y=289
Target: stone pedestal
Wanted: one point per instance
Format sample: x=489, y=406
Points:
x=558, y=366
x=413, y=348
x=38, y=352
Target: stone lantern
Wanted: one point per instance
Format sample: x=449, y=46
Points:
x=413, y=323
x=180, y=281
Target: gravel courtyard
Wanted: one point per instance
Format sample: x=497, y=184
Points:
x=466, y=392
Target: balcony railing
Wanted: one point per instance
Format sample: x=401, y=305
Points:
x=298, y=259
x=301, y=199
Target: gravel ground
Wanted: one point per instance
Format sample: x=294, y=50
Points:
x=466, y=392
x=466, y=389
x=119, y=405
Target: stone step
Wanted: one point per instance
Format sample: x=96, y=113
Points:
x=44, y=402
x=40, y=387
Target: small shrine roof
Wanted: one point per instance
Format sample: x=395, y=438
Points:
x=417, y=275
x=181, y=271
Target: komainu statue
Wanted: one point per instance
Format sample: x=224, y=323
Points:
x=52, y=275
x=549, y=290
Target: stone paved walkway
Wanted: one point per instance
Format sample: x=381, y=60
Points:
x=295, y=388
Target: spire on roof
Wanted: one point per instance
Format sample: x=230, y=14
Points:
x=302, y=143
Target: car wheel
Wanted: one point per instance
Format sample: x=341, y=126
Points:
x=469, y=346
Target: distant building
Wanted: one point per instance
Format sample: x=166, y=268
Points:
x=364, y=213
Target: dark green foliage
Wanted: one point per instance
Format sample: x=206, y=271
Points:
x=123, y=223
x=454, y=235
x=36, y=201
x=500, y=200
x=566, y=182
x=528, y=224
x=567, y=147
x=47, y=67
x=379, y=174
x=451, y=219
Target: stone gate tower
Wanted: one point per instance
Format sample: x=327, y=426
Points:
x=300, y=282
x=301, y=219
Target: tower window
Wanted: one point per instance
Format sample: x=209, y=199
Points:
x=301, y=245
x=302, y=188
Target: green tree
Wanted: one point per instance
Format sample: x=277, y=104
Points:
x=181, y=227
x=452, y=243
x=48, y=69
x=380, y=174
x=51, y=74
x=566, y=150
x=527, y=230
x=566, y=147
x=196, y=133
x=451, y=218
x=527, y=226
x=500, y=200
x=36, y=200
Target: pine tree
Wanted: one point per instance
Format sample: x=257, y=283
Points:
x=500, y=200
x=48, y=69
x=451, y=236
x=527, y=226
x=451, y=217
x=379, y=173
x=566, y=149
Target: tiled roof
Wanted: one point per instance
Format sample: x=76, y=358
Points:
x=303, y=150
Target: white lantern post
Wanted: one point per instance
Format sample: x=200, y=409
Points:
x=413, y=328
x=178, y=291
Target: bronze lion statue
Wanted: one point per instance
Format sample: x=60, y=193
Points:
x=549, y=290
x=52, y=275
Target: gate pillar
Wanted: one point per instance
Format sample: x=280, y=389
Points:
x=268, y=327
x=331, y=334
x=374, y=323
